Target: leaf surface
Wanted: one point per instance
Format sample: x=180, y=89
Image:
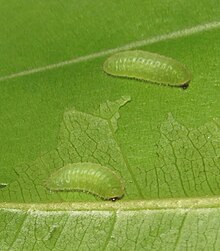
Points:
x=57, y=107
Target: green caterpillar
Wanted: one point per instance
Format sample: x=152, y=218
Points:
x=2, y=185
x=87, y=177
x=148, y=66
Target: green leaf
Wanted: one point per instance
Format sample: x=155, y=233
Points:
x=57, y=107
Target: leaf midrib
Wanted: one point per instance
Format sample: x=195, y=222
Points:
x=157, y=204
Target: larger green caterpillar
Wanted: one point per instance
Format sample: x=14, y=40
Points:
x=148, y=66
x=87, y=177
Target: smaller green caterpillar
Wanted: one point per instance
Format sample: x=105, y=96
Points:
x=148, y=66
x=3, y=185
x=87, y=177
